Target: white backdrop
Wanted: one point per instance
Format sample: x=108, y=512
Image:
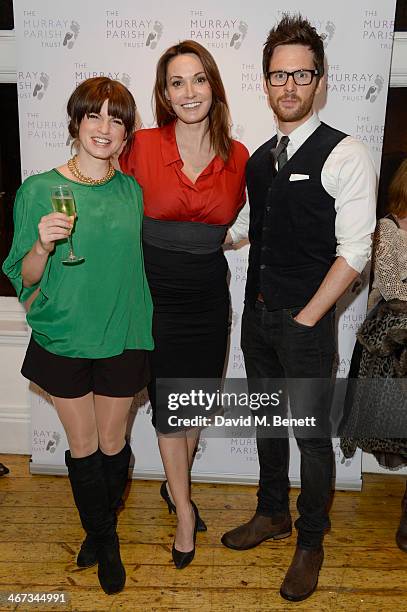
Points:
x=59, y=44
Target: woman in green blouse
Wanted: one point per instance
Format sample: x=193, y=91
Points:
x=91, y=321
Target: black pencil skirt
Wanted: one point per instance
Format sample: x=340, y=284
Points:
x=190, y=323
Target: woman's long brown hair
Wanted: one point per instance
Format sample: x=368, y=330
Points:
x=219, y=115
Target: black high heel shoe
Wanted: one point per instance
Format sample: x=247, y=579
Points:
x=172, y=508
x=182, y=559
x=4, y=470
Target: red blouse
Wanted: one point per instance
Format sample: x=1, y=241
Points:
x=155, y=162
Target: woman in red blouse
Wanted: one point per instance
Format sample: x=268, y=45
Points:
x=192, y=175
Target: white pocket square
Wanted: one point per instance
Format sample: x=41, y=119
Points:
x=299, y=177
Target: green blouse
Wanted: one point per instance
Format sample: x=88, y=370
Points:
x=102, y=306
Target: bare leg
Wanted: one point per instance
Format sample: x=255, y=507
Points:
x=192, y=438
x=111, y=415
x=78, y=418
x=174, y=455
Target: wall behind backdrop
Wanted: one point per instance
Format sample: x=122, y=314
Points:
x=61, y=44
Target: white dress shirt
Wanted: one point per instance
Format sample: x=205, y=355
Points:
x=349, y=176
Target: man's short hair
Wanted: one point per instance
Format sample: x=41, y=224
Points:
x=294, y=30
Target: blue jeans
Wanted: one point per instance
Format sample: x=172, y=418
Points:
x=277, y=347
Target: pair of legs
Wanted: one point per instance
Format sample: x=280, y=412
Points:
x=275, y=346
x=94, y=421
x=98, y=470
x=190, y=328
x=93, y=398
x=285, y=356
x=189, y=353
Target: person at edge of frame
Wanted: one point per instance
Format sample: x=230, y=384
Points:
x=91, y=320
x=375, y=416
x=312, y=212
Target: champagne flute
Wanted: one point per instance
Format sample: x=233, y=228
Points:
x=63, y=201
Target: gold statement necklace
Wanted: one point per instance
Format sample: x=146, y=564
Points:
x=73, y=167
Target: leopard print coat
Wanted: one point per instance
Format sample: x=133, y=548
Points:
x=376, y=402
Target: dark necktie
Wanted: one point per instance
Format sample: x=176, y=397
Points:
x=280, y=152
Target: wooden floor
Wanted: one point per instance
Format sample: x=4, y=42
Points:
x=40, y=534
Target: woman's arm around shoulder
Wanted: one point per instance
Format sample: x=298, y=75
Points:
x=240, y=227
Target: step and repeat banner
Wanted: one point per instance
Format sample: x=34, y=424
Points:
x=59, y=44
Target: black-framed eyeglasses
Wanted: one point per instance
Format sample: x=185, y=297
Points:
x=278, y=78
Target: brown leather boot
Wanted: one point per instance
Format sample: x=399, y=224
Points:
x=258, y=529
x=302, y=576
x=401, y=535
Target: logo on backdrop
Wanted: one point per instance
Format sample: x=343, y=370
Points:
x=377, y=27
x=201, y=448
x=133, y=32
x=49, y=132
x=216, y=32
x=236, y=360
x=45, y=441
x=239, y=270
x=245, y=448
x=354, y=86
x=238, y=131
x=326, y=31
x=351, y=319
x=235, y=319
x=375, y=88
x=32, y=85
x=369, y=132
x=48, y=30
x=340, y=458
x=31, y=172
x=342, y=366
x=251, y=81
x=83, y=71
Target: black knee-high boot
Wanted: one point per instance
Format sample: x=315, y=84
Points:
x=98, y=519
x=115, y=469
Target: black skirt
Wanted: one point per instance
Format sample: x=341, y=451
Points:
x=190, y=321
x=122, y=375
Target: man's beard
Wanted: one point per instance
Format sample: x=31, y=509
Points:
x=293, y=114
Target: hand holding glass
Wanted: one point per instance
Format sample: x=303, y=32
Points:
x=63, y=202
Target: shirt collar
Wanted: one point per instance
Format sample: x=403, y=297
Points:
x=170, y=152
x=169, y=148
x=300, y=134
